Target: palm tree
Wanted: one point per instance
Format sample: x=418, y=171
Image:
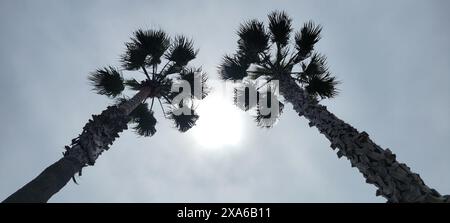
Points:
x=267, y=61
x=145, y=52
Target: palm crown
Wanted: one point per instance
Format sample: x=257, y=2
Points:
x=268, y=54
x=146, y=51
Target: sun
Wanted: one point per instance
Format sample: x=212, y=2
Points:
x=220, y=123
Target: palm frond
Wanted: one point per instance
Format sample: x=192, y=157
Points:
x=133, y=84
x=146, y=47
x=263, y=117
x=183, y=121
x=233, y=68
x=155, y=43
x=280, y=27
x=172, y=69
x=196, y=79
x=306, y=38
x=317, y=65
x=139, y=111
x=107, y=81
x=181, y=51
x=322, y=85
x=144, y=119
x=253, y=39
x=133, y=58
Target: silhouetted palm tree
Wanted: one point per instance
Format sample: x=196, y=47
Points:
x=145, y=52
x=304, y=79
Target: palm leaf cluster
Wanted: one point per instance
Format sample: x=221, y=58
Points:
x=271, y=54
x=163, y=63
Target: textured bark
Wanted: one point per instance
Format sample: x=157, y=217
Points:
x=395, y=181
x=49, y=182
x=97, y=135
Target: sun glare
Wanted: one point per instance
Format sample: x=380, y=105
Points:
x=220, y=122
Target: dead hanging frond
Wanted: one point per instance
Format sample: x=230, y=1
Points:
x=144, y=120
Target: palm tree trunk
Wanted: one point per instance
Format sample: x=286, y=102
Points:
x=98, y=134
x=394, y=180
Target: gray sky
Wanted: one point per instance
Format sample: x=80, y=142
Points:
x=391, y=57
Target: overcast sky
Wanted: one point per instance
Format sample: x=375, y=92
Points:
x=392, y=58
